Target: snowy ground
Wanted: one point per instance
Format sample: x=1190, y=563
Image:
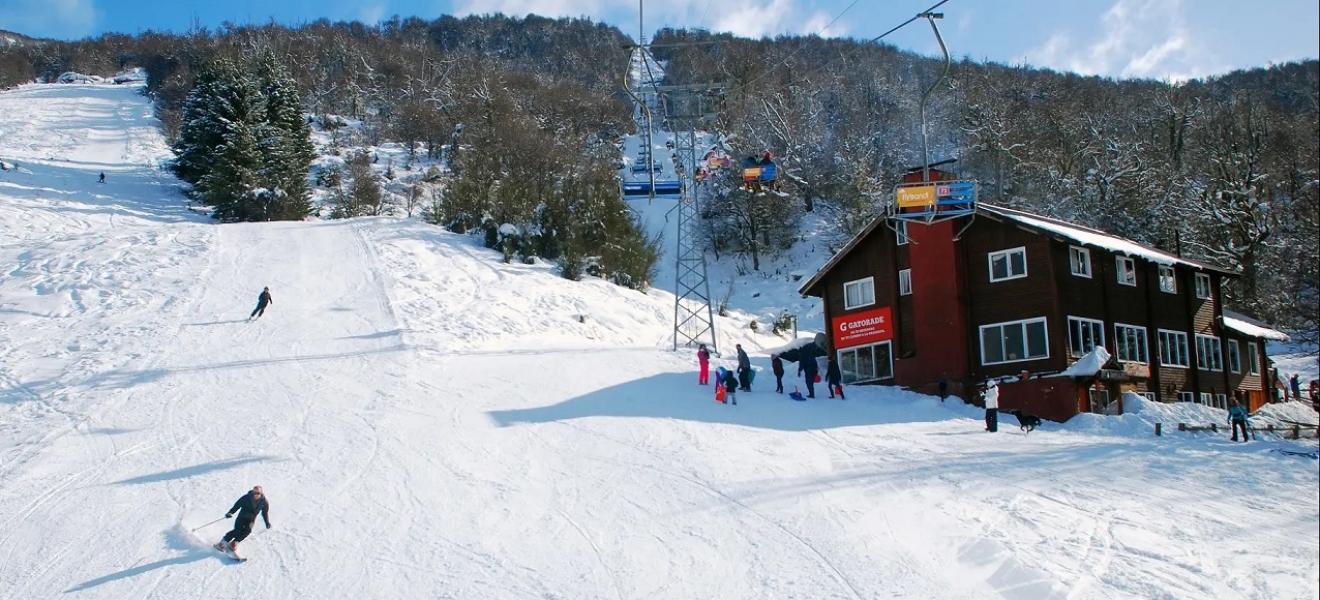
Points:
x=431, y=423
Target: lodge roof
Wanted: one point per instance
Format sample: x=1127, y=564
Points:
x=1063, y=230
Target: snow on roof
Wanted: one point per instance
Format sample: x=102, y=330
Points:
x=1250, y=327
x=1088, y=365
x=1096, y=238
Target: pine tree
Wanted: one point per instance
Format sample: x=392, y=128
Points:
x=286, y=143
x=218, y=148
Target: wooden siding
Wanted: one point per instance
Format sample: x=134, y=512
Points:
x=1010, y=300
x=871, y=258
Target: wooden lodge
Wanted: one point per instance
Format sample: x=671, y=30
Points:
x=1002, y=293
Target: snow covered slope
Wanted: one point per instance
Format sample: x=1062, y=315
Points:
x=431, y=423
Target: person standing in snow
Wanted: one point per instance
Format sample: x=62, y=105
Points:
x=1296, y=384
x=833, y=377
x=730, y=384
x=703, y=358
x=102, y=180
x=247, y=507
x=744, y=370
x=777, y=367
x=262, y=301
x=991, y=405
x=1237, y=418
x=810, y=368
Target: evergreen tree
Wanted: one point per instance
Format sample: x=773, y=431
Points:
x=286, y=144
x=219, y=143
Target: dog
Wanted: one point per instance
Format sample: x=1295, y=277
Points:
x=1026, y=422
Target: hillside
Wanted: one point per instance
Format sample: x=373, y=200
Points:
x=430, y=422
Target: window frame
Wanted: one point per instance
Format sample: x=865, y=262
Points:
x=1119, y=347
x=858, y=282
x=1187, y=397
x=1152, y=396
x=1096, y=325
x=1168, y=275
x=850, y=375
x=1045, y=330
x=1209, y=289
x=1008, y=255
x=901, y=233
x=1221, y=401
x=1253, y=359
x=1213, y=349
x=1186, y=349
x=1234, y=357
x=905, y=282
x=1124, y=265
x=1078, y=255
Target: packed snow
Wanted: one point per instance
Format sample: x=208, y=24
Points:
x=430, y=422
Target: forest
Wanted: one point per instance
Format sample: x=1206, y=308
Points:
x=1224, y=169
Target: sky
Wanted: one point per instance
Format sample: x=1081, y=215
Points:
x=430, y=422
x=1159, y=39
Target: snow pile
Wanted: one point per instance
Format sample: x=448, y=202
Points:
x=1088, y=365
x=134, y=75
x=1286, y=413
x=72, y=77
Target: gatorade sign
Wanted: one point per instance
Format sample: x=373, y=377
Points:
x=860, y=329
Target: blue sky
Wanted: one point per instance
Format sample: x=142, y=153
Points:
x=1161, y=39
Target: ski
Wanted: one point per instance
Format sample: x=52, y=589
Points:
x=229, y=553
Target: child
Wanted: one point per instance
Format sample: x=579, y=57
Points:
x=703, y=357
x=730, y=387
x=834, y=378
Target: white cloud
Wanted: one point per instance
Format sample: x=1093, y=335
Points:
x=1135, y=38
x=59, y=19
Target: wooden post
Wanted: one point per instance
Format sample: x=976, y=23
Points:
x=1157, y=430
x=1182, y=427
x=1214, y=427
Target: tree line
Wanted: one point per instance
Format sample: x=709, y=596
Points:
x=1222, y=169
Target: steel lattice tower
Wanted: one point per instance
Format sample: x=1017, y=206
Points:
x=687, y=108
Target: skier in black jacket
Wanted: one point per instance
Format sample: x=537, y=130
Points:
x=262, y=301
x=247, y=507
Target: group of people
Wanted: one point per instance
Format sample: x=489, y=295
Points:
x=806, y=357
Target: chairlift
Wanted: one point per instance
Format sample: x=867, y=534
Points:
x=759, y=175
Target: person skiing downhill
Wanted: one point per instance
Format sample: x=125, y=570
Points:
x=262, y=301
x=247, y=507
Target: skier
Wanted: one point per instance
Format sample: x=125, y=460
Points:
x=703, y=357
x=247, y=507
x=1237, y=418
x=833, y=378
x=991, y=405
x=777, y=367
x=744, y=370
x=262, y=301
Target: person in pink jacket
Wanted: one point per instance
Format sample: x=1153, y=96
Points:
x=703, y=357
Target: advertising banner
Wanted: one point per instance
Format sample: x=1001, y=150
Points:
x=860, y=329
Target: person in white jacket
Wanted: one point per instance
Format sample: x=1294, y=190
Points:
x=991, y=405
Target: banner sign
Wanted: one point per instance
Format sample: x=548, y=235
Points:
x=860, y=329
x=916, y=195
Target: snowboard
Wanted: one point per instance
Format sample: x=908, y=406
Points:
x=229, y=553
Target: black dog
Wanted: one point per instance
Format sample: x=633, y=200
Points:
x=1026, y=422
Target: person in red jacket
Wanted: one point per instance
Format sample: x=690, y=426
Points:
x=703, y=357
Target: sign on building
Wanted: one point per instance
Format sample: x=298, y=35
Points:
x=860, y=329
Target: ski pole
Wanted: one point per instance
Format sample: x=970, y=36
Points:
x=208, y=524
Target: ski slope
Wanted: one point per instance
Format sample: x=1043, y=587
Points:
x=429, y=422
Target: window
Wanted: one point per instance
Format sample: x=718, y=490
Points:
x=1168, y=281
x=1234, y=357
x=1221, y=401
x=1099, y=401
x=1202, y=285
x=1084, y=335
x=905, y=282
x=1207, y=399
x=1130, y=343
x=1012, y=342
x=1080, y=261
x=1186, y=397
x=1253, y=359
x=1008, y=264
x=1149, y=396
x=866, y=363
x=859, y=293
x=900, y=233
x=1208, y=354
x=1173, y=349
x=1127, y=271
